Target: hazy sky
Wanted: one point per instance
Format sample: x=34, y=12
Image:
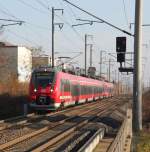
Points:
x=36, y=31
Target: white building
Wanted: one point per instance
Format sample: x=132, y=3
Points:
x=15, y=63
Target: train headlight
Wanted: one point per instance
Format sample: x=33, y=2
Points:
x=35, y=90
x=51, y=90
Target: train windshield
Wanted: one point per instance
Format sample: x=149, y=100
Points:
x=42, y=79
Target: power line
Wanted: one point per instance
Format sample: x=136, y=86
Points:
x=72, y=12
x=22, y=37
x=68, y=39
x=9, y=14
x=125, y=13
x=43, y=12
x=38, y=26
x=42, y=4
x=31, y=6
x=115, y=27
x=56, y=16
x=67, y=23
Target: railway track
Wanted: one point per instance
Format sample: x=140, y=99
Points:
x=75, y=135
x=22, y=129
x=21, y=120
x=67, y=125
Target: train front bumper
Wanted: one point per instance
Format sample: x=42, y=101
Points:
x=52, y=106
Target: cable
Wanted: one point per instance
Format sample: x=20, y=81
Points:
x=94, y=16
x=37, y=26
x=68, y=39
x=67, y=23
x=125, y=13
x=42, y=4
x=74, y=15
x=70, y=59
x=19, y=36
x=60, y=19
x=31, y=6
x=7, y=14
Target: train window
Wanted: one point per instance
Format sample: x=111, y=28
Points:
x=42, y=79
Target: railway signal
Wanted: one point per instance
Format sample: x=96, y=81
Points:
x=121, y=49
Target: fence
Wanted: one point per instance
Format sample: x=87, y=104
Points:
x=122, y=142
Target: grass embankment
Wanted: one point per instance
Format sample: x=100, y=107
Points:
x=144, y=138
x=144, y=142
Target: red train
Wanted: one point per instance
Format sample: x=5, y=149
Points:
x=51, y=89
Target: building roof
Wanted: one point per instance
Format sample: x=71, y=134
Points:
x=7, y=44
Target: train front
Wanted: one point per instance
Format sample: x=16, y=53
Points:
x=42, y=89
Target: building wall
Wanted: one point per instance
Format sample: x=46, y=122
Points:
x=15, y=63
x=8, y=63
x=24, y=64
x=40, y=61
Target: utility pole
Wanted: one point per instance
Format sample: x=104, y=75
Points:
x=107, y=73
x=109, y=70
x=100, y=65
x=101, y=62
x=86, y=44
x=85, y=52
x=137, y=88
x=53, y=37
x=53, y=30
x=118, y=83
x=91, y=55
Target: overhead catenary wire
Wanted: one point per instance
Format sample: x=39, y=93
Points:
x=22, y=37
x=64, y=20
x=39, y=26
x=90, y=14
x=72, y=12
x=31, y=6
x=32, y=24
x=70, y=59
x=125, y=13
x=9, y=14
x=67, y=23
x=42, y=4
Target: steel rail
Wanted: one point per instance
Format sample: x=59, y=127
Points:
x=5, y=124
x=35, y=133
x=63, y=134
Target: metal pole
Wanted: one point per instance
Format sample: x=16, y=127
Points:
x=101, y=63
x=85, y=51
x=107, y=73
x=115, y=76
x=118, y=83
x=137, y=94
x=109, y=69
x=91, y=55
x=53, y=37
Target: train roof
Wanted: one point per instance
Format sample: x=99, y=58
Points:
x=50, y=69
x=45, y=69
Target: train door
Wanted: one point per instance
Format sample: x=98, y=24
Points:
x=62, y=91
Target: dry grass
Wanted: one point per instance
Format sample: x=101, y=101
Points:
x=14, y=88
x=144, y=142
x=146, y=107
x=13, y=95
x=144, y=137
